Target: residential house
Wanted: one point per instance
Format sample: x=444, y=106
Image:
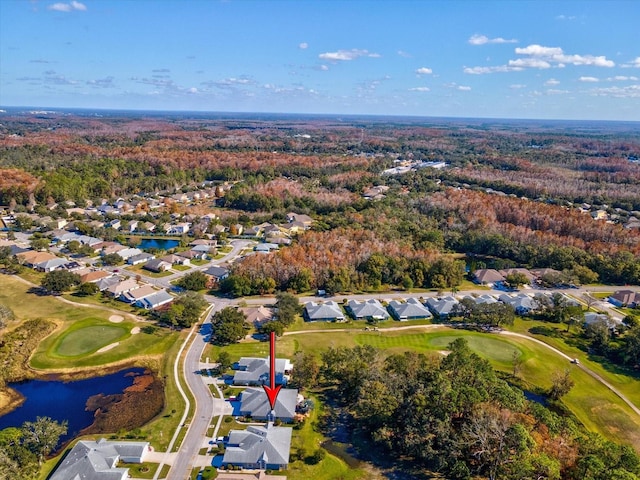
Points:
x=192, y=255
x=121, y=287
x=260, y=475
x=179, y=228
x=412, y=309
x=255, y=404
x=155, y=300
x=94, y=276
x=255, y=371
x=259, y=448
x=520, y=302
x=306, y=220
x=107, y=282
x=115, y=224
x=442, y=307
x=132, y=296
x=487, y=276
x=265, y=247
x=127, y=253
x=143, y=257
x=157, y=265
x=133, y=226
x=206, y=249
x=510, y=271
x=625, y=298
x=328, y=312
x=31, y=258
x=98, y=460
x=592, y=317
x=216, y=273
x=51, y=265
x=175, y=260
x=257, y=316
x=112, y=247
x=371, y=309
x=480, y=299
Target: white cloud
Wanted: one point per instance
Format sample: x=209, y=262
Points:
x=529, y=63
x=551, y=82
x=346, y=55
x=303, y=45
x=324, y=68
x=566, y=17
x=630, y=91
x=552, y=91
x=541, y=57
x=635, y=63
x=420, y=89
x=404, y=54
x=539, y=51
x=589, y=79
x=517, y=86
x=68, y=7
x=424, y=71
x=496, y=69
x=463, y=88
x=483, y=39
x=622, y=78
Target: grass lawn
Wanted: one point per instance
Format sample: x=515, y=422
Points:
x=181, y=268
x=594, y=405
x=102, y=300
x=199, y=263
x=625, y=380
x=307, y=439
x=89, y=339
x=141, y=271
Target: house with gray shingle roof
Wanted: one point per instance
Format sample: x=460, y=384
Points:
x=370, y=309
x=328, y=312
x=442, y=307
x=487, y=276
x=255, y=371
x=98, y=460
x=480, y=299
x=521, y=302
x=412, y=309
x=155, y=300
x=255, y=404
x=259, y=447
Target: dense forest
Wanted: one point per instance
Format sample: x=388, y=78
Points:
x=514, y=193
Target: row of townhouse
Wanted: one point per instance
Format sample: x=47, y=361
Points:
x=413, y=308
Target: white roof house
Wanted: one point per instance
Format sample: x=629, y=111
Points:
x=486, y=298
x=412, y=309
x=371, y=308
x=91, y=460
x=127, y=253
x=259, y=447
x=327, y=311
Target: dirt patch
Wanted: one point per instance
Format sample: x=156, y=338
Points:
x=135, y=330
x=116, y=318
x=108, y=347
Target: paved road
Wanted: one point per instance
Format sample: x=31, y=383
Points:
x=206, y=406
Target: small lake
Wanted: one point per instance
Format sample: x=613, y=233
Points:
x=65, y=400
x=158, y=243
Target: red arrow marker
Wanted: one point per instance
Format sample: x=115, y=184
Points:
x=271, y=390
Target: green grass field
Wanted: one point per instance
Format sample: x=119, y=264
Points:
x=89, y=339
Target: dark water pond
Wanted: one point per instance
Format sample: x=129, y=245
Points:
x=65, y=400
x=534, y=397
x=158, y=243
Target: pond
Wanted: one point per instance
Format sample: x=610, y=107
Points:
x=158, y=243
x=65, y=400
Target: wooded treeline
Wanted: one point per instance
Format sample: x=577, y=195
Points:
x=455, y=416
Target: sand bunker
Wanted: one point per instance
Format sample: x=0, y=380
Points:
x=108, y=347
x=135, y=330
x=116, y=318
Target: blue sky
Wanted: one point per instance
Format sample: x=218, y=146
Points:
x=496, y=59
